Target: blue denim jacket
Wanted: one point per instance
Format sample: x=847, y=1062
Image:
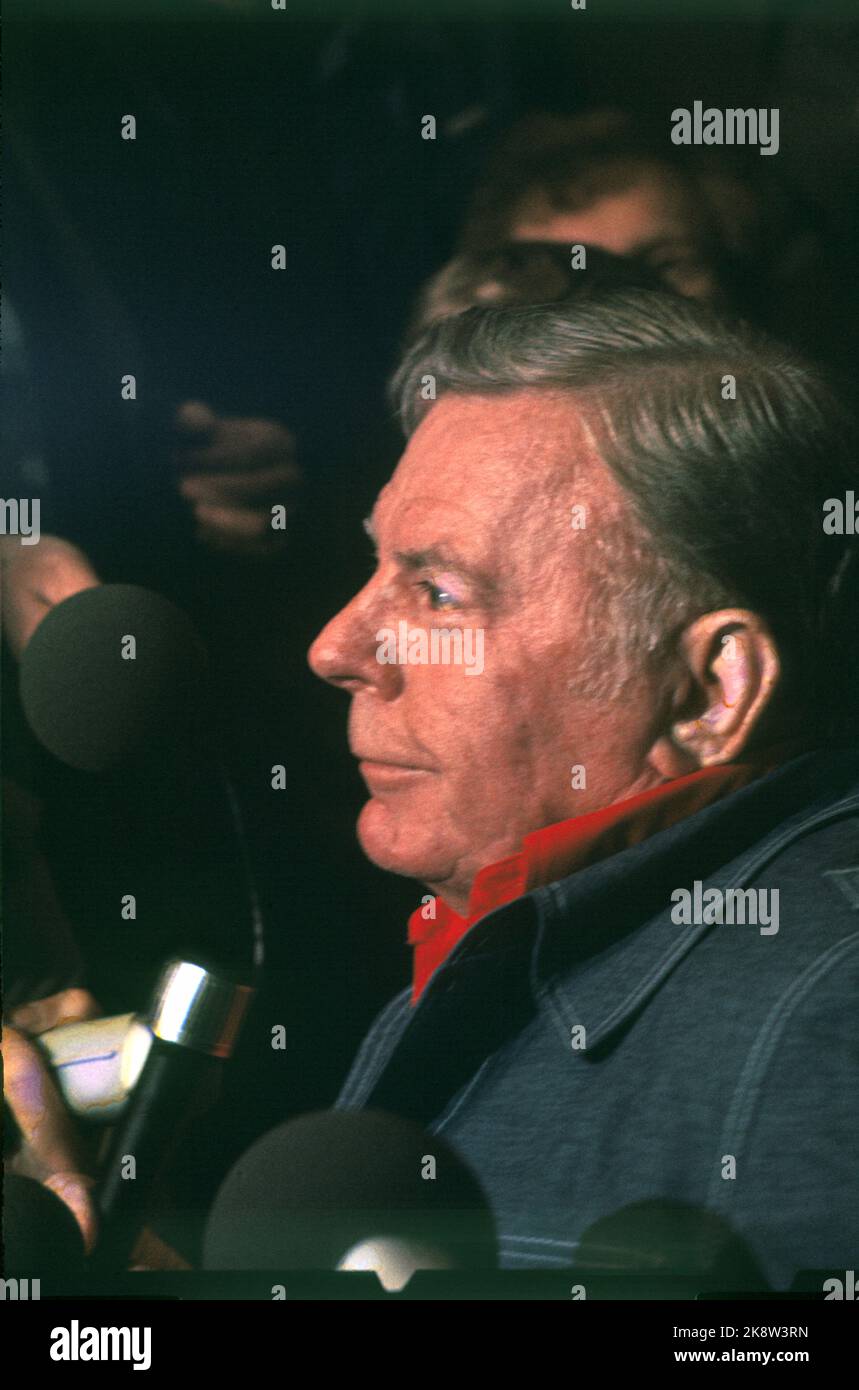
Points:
x=583, y=1049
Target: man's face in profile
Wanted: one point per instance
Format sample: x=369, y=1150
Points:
x=474, y=532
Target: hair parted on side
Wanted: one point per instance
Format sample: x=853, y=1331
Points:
x=726, y=485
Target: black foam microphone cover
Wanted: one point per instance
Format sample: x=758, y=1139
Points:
x=115, y=683
x=310, y=1190
x=40, y=1236
x=88, y=700
x=671, y=1238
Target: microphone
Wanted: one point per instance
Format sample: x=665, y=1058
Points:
x=110, y=672
x=348, y=1190
x=194, y=1020
x=667, y=1238
x=155, y=1073
x=40, y=1235
x=115, y=681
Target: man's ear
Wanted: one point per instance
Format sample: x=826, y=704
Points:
x=728, y=674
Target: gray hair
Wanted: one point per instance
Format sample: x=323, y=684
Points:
x=726, y=495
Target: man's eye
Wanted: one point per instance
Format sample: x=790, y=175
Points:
x=439, y=595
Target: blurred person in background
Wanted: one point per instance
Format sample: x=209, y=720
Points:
x=611, y=179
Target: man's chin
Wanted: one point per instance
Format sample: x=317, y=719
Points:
x=395, y=841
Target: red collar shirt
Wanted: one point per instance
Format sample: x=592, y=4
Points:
x=559, y=850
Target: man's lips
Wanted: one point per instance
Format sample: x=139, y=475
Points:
x=378, y=773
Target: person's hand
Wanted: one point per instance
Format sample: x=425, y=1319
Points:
x=233, y=471
x=36, y=577
x=52, y=1150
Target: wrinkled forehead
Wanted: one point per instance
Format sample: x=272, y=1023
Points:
x=492, y=479
x=497, y=455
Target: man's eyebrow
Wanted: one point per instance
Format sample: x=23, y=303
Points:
x=441, y=557
x=435, y=557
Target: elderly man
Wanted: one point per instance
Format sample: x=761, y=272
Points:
x=635, y=974
x=604, y=701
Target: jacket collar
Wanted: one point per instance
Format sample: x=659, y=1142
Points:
x=602, y=948
x=567, y=847
x=593, y=947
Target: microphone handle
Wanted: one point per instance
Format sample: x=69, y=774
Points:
x=177, y=1085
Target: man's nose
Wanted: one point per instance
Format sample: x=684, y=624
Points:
x=345, y=652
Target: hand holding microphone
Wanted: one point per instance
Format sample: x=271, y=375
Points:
x=162, y=1073
x=97, y=712
x=53, y=1150
x=35, y=578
